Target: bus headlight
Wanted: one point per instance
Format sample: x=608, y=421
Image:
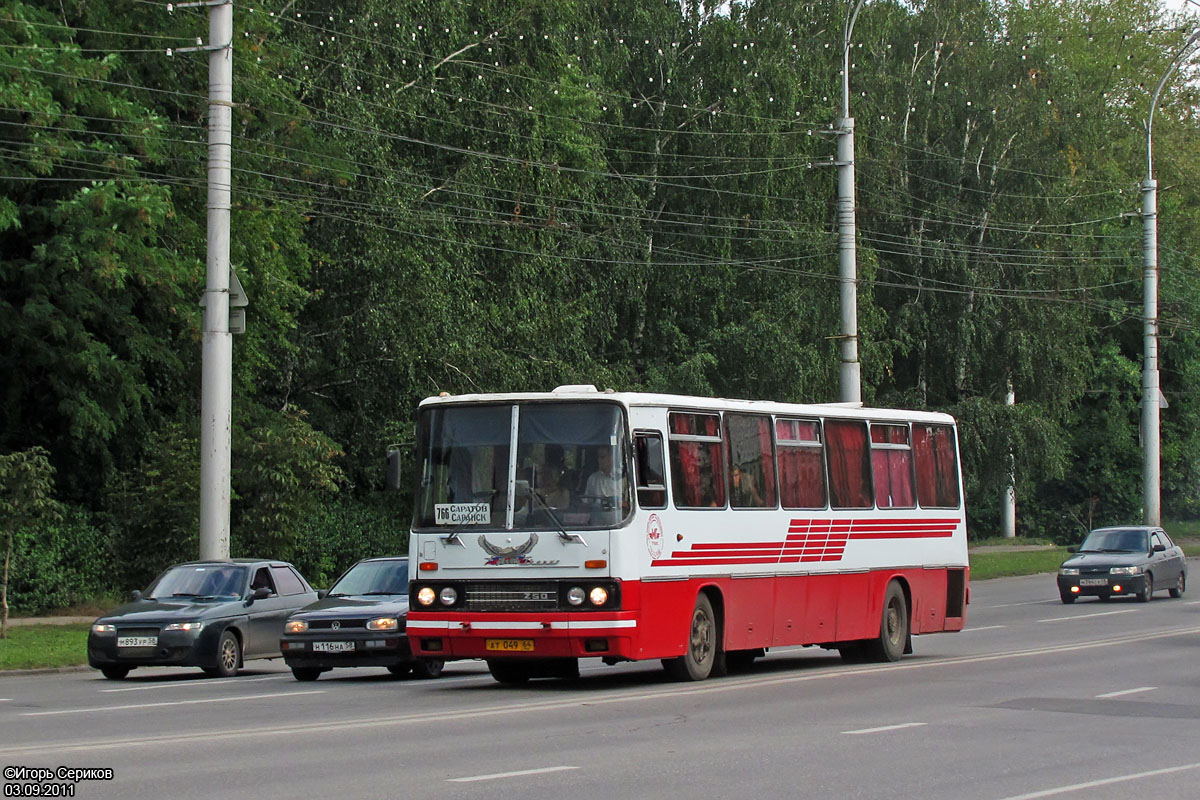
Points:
x=448, y=596
x=426, y=596
x=598, y=596
x=575, y=596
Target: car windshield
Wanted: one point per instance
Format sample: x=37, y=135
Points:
x=1116, y=540
x=373, y=577
x=530, y=466
x=199, y=582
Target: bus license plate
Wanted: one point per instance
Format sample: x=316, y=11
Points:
x=1093, y=582
x=510, y=645
x=332, y=647
x=137, y=641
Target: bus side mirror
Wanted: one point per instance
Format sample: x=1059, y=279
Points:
x=394, y=464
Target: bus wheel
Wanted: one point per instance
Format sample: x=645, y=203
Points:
x=696, y=663
x=893, y=626
x=509, y=672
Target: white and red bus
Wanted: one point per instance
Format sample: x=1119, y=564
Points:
x=554, y=526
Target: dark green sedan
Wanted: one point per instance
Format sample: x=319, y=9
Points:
x=209, y=614
x=1130, y=560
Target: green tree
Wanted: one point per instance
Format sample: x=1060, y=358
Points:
x=26, y=499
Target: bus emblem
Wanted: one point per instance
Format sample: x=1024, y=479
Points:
x=654, y=536
x=517, y=554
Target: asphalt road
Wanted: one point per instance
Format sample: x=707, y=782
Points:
x=1035, y=699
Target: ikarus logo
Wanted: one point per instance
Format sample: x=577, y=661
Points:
x=513, y=554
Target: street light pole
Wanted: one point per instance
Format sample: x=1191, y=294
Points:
x=849, y=373
x=1152, y=399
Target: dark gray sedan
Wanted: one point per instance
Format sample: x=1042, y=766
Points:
x=359, y=623
x=1132, y=560
x=208, y=614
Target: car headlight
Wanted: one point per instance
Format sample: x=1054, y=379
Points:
x=576, y=595
x=382, y=624
x=295, y=626
x=448, y=596
x=183, y=626
x=103, y=628
x=598, y=596
x=1069, y=571
x=426, y=596
x=1125, y=571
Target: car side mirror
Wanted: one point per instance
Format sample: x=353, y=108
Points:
x=261, y=593
x=322, y=593
x=1072, y=549
x=1159, y=548
x=135, y=595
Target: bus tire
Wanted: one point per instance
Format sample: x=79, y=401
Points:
x=893, y=626
x=701, y=654
x=508, y=672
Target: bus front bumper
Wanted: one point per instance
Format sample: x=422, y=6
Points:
x=498, y=635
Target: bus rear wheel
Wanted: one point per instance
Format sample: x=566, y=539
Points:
x=893, y=626
x=703, y=646
x=508, y=672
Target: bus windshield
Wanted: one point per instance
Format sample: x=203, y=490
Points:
x=567, y=470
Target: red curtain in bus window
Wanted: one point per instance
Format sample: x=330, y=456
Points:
x=685, y=463
x=801, y=477
x=768, y=461
x=937, y=471
x=716, y=464
x=892, y=468
x=849, y=464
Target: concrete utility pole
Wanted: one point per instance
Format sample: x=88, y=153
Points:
x=1152, y=397
x=850, y=373
x=216, y=392
x=1008, y=512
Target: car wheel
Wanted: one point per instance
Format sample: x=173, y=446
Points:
x=229, y=656
x=428, y=668
x=1147, y=592
x=1067, y=598
x=696, y=663
x=115, y=673
x=893, y=627
x=306, y=673
x=1180, y=586
x=400, y=670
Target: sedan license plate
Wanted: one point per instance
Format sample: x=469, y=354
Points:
x=510, y=645
x=1093, y=581
x=333, y=647
x=137, y=641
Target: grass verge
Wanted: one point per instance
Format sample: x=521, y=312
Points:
x=38, y=646
x=1008, y=564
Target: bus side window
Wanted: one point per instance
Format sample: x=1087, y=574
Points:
x=937, y=466
x=697, y=466
x=651, y=474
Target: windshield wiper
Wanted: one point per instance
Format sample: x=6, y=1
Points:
x=562, y=533
x=184, y=594
x=371, y=594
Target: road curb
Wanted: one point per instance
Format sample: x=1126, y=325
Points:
x=44, y=670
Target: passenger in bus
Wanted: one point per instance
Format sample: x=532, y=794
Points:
x=742, y=491
x=551, y=488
